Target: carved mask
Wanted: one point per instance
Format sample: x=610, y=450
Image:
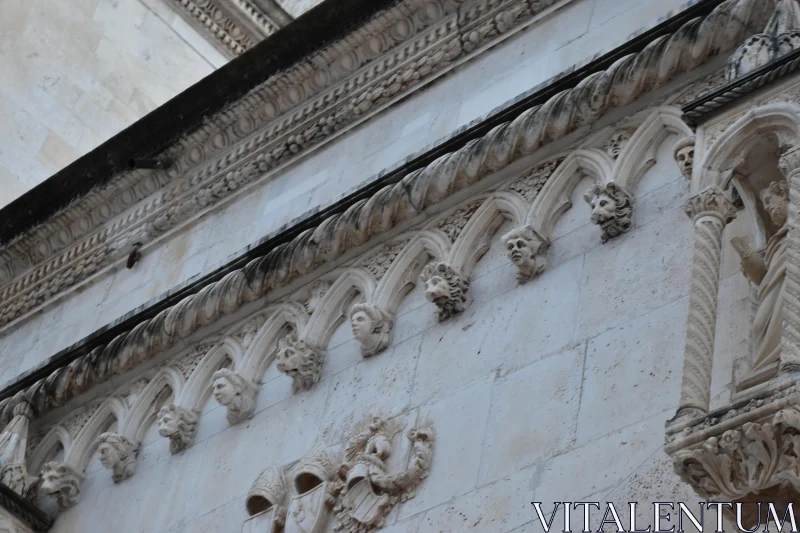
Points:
x=437, y=289
x=603, y=209
x=362, y=325
x=685, y=160
x=518, y=251
x=167, y=423
x=616, y=143
x=290, y=361
x=109, y=455
x=225, y=392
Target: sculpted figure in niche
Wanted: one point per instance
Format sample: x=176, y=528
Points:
x=236, y=393
x=528, y=251
x=118, y=454
x=299, y=361
x=179, y=425
x=768, y=272
x=62, y=483
x=372, y=327
x=612, y=210
x=684, y=156
x=446, y=288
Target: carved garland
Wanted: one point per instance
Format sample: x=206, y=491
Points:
x=619, y=85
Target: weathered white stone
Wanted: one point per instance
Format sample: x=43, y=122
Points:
x=522, y=433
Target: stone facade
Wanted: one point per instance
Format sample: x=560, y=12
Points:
x=588, y=298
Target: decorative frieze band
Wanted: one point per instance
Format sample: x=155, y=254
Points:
x=304, y=106
x=416, y=192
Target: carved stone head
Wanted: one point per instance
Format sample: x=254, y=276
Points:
x=299, y=361
x=372, y=327
x=177, y=424
x=527, y=250
x=235, y=393
x=684, y=156
x=446, y=288
x=60, y=482
x=118, y=454
x=612, y=209
x=617, y=142
x=776, y=201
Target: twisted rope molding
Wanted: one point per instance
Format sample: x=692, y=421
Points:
x=619, y=85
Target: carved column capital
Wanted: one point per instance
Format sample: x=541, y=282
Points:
x=710, y=202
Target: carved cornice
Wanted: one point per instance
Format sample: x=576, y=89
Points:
x=233, y=26
x=628, y=78
x=391, y=55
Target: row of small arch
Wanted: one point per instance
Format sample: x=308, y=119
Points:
x=387, y=292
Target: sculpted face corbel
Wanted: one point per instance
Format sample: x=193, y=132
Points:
x=300, y=361
x=62, y=483
x=684, y=156
x=179, y=425
x=446, y=288
x=118, y=454
x=236, y=393
x=612, y=210
x=528, y=251
x=372, y=327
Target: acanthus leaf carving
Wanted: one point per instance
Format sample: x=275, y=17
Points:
x=13, y=450
x=529, y=185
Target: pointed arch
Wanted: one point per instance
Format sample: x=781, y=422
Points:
x=424, y=246
x=79, y=454
x=199, y=383
x=781, y=120
x=141, y=412
x=474, y=240
x=57, y=436
x=555, y=197
x=640, y=152
x=262, y=350
x=329, y=313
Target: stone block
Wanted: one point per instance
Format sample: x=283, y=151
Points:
x=500, y=506
x=641, y=359
x=460, y=423
x=379, y=385
x=522, y=431
x=636, y=273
